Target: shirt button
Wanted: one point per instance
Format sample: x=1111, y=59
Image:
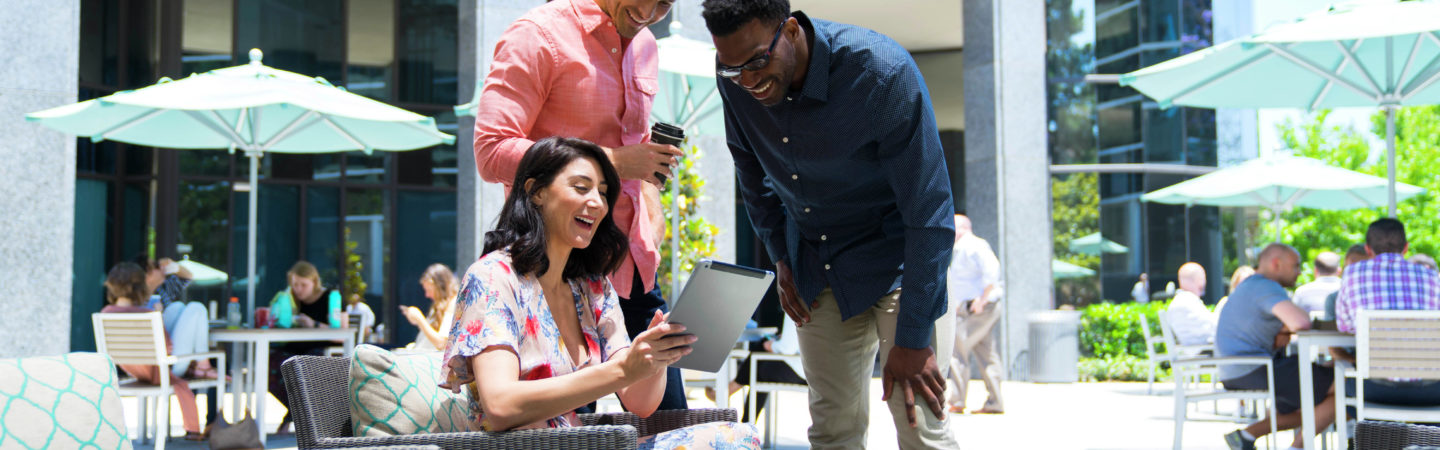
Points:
x=824, y=237
x=827, y=267
x=787, y=98
x=794, y=176
x=614, y=50
x=785, y=140
x=807, y=210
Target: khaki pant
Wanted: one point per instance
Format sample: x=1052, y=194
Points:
x=974, y=337
x=838, y=358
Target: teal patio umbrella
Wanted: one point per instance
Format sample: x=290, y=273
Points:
x=1280, y=183
x=1385, y=55
x=1094, y=244
x=251, y=108
x=1062, y=270
x=687, y=96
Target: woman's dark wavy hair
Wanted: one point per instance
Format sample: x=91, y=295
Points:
x=521, y=226
x=724, y=17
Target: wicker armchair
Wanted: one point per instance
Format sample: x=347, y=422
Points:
x=319, y=393
x=1377, y=435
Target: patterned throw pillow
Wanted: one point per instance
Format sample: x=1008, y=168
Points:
x=66, y=401
x=395, y=394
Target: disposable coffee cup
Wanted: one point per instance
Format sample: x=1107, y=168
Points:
x=667, y=134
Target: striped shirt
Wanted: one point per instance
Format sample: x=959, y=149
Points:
x=1387, y=282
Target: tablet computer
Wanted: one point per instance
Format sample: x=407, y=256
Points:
x=714, y=306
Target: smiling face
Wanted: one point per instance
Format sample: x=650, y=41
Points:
x=751, y=43
x=574, y=204
x=631, y=16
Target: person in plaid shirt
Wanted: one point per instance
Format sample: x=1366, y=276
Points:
x=1387, y=282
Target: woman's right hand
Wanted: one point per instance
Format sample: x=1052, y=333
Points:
x=656, y=348
x=413, y=315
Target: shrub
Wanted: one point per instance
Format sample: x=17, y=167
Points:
x=1112, y=330
x=1118, y=368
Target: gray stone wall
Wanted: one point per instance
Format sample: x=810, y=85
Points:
x=1007, y=180
x=39, y=69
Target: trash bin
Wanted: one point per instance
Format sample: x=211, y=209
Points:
x=1054, y=346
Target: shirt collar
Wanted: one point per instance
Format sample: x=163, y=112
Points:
x=817, y=72
x=589, y=14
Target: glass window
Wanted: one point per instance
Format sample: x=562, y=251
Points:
x=425, y=235
x=207, y=36
x=86, y=286
x=427, y=41
x=1206, y=247
x=1116, y=184
x=434, y=166
x=1164, y=135
x=322, y=230
x=141, y=38
x=135, y=217
x=204, y=163
x=138, y=160
x=1120, y=222
x=99, y=43
x=1197, y=24
x=302, y=37
x=97, y=158
x=204, y=223
x=371, y=47
x=1200, y=141
x=1116, y=33
x=1162, y=20
x=326, y=166
x=1165, y=241
x=1119, y=125
x=365, y=212
x=276, y=245
x=372, y=168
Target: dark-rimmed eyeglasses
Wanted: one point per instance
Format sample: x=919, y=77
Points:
x=754, y=64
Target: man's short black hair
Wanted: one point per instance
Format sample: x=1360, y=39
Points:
x=724, y=17
x=1386, y=235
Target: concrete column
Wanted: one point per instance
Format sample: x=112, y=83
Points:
x=481, y=22
x=39, y=69
x=1007, y=180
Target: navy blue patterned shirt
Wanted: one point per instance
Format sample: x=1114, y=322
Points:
x=845, y=179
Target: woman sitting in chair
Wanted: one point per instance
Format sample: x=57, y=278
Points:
x=125, y=291
x=540, y=330
x=441, y=288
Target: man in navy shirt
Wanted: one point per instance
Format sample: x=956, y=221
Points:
x=840, y=165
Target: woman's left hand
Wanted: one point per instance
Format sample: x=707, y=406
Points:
x=304, y=321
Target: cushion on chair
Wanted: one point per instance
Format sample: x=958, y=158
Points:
x=397, y=394
x=35, y=391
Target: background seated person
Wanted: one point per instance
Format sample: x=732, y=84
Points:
x=306, y=304
x=787, y=343
x=1190, y=321
x=1257, y=321
x=1387, y=282
x=540, y=331
x=125, y=286
x=165, y=281
x=441, y=288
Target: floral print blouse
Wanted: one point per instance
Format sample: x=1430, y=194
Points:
x=501, y=308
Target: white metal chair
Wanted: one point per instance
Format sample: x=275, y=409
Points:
x=1395, y=344
x=352, y=320
x=1153, y=354
x=771, y=402
x=139, y=338
x=1186, y=369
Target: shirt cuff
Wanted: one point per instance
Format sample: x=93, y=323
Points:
x=914, y=337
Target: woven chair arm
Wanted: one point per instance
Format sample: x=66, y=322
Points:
x=1376, y=435
x=400, y=447
x=1223, y=361
x=662, y=421
x=579, y=438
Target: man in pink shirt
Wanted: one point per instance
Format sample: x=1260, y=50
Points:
x=588, y=69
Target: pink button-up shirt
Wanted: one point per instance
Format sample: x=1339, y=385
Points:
x=563, y=70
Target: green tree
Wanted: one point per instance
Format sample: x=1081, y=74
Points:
x=697, y=236
x=1075, y=212
x=352, y=286
x=1417, y=140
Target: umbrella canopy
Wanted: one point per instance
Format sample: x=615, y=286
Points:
x=1385, y=55
x=1062, y=270
x=687, y=95
x=253, y=108
x=203, y=275
x=1094, y=244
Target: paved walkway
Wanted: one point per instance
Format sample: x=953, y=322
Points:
x=1038, y=416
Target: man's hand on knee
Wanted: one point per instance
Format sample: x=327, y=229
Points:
x=918, y=375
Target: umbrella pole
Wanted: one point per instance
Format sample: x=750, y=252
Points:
x=250, y=245
x=1390, y=155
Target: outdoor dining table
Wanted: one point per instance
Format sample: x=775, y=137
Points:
x=1307, y=342
x=254, y=346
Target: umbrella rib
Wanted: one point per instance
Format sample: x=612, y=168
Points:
x=343, y=133
x=1220, y=76
x=1430, y=75
x=1410, y=60
x=1307, y=64
x=1325, y=89
x=103, y=135
x=1360, y=199
x=697, y=114
x=1350, y=56
x=289, y=129
x=222, y=130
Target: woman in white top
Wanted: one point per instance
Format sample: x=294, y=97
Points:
x=440, y=287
